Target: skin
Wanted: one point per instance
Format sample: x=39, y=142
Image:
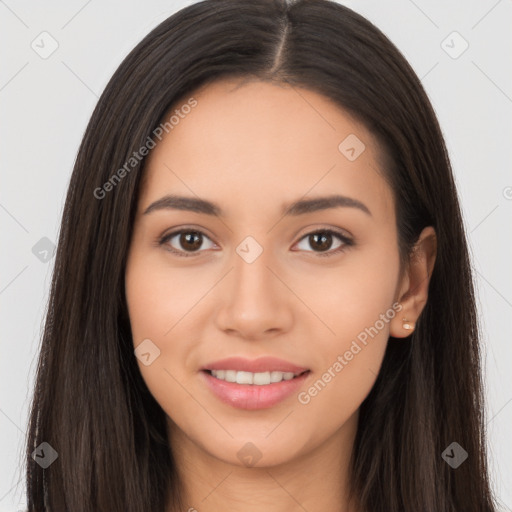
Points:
x=251, y=147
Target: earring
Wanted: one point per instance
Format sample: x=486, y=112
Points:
x=408, y=325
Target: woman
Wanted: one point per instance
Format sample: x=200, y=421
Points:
x=262, y=297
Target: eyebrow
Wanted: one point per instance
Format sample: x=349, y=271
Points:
x=300, y=207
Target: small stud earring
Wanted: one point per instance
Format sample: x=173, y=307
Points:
x=408, y=325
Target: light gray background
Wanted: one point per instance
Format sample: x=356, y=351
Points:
x=46, y=103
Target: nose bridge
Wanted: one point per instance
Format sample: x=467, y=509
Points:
x=251, y=275
x=255, y=300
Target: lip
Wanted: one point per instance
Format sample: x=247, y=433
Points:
x=251, y=396
x=262, y=364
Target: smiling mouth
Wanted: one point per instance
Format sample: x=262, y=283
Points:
x=254, y=379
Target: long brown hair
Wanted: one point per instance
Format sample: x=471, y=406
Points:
x=91, y=404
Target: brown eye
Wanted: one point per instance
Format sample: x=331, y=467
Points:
x=190, y=240
x=321, y=242
x=185, y=241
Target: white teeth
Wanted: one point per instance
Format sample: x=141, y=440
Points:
x=258, y=379
x=230, y=375
x=244, y=378
x=261, y=379
x=278, y=376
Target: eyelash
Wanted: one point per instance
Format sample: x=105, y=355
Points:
x=347, y=242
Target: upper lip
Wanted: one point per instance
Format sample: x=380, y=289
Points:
x=262, y=364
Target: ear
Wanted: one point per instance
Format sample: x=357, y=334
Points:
x=413, y=288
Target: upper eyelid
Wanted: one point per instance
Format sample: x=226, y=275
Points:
x=343, y=233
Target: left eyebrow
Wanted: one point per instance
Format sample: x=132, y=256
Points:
x=300, y=207
x=323, y=203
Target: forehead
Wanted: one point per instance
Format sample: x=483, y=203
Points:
x=267, y=143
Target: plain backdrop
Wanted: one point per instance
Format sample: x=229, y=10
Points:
x=46, y=102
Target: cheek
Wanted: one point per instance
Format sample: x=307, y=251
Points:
x=351, y=295
x=357, y=303
x=350, y=362
x=161, y=309
x=158, y=298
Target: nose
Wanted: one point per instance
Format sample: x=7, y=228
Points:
x=254, y=301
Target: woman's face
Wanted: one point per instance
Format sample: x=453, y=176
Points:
x=247, y=279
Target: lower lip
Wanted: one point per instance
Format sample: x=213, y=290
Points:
x=251, y=396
